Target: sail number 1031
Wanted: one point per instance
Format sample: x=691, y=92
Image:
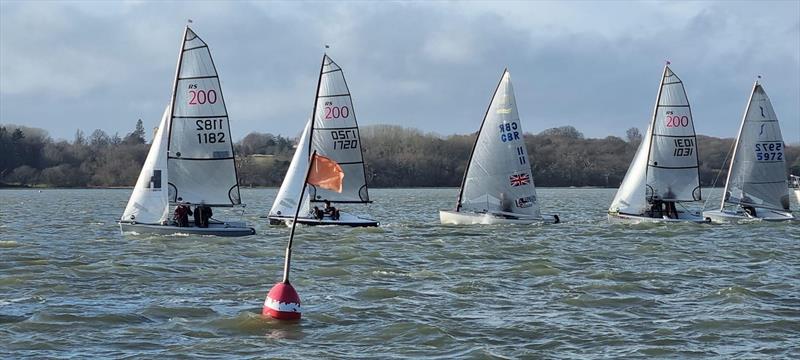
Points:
x=208, y=133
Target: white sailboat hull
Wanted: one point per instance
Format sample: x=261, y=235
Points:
x=345, y=219
x=225, y=228
x=448, y=217
x=739, y=216
x=683, y=217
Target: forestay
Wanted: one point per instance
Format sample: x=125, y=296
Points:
x=335, y=135
x=498, y=178
x=201, y=161
x=286, y=202
x=757, y=175
x=148, y=203
x=672, y=167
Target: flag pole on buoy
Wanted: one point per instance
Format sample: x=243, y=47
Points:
x=283, y=301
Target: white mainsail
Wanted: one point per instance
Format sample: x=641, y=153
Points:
x=672, y=171
x=335, y=135
x=148, y=203
x=666, y=163
x=498, y=177
x=757, y=174
x=201, y=162
x=286, y=201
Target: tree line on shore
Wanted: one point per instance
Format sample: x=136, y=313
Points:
x=394, y=157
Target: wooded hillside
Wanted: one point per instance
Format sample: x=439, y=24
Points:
x=394, y=157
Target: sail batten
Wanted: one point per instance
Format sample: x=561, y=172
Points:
x=498, y=177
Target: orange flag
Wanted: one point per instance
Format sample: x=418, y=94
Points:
x=326, y=173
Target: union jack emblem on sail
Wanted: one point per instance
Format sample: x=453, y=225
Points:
x=521, y=179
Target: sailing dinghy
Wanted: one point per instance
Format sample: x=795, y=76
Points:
x=498, y=184
x=191, y=159
x=665, y=170
x=795, y=185
x=333, y=133
x=756, y=187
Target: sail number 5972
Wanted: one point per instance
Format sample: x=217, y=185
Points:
x=769, y=151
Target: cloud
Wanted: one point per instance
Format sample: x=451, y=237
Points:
x=593, y=65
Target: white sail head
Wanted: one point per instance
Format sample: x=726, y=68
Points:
x=201, y=162
x=286, y=201
x=757, y=175
x=336, y=136
x=148, y=203
x=672, y=172
x=631, y=197
x=499, y=177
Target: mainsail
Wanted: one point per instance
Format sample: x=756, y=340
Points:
x=201, y=162
x=335, y=135
x=148, y=203
x=672, y=171
x=666, y=163
x=498, y=177
x=757, y=174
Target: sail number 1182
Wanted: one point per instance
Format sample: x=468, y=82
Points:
x=208, y=131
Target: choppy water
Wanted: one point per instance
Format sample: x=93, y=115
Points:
x=71, y=285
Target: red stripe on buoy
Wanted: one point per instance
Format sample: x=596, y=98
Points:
x=282, y=302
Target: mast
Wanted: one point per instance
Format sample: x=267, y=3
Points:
x=736, y=144
x=480, y=130
x=316, y=100
x=175, y=88
x=653, y=124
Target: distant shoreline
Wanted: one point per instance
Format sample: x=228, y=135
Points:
x=35, y=187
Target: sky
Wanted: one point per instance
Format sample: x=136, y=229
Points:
x=428, y=65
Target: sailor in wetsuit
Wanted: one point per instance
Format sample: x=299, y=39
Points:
x=181, y=215
x=330, y=210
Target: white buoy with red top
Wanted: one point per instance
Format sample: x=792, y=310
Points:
x=282, y=303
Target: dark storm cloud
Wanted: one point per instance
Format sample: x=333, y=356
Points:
x=432, y=66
